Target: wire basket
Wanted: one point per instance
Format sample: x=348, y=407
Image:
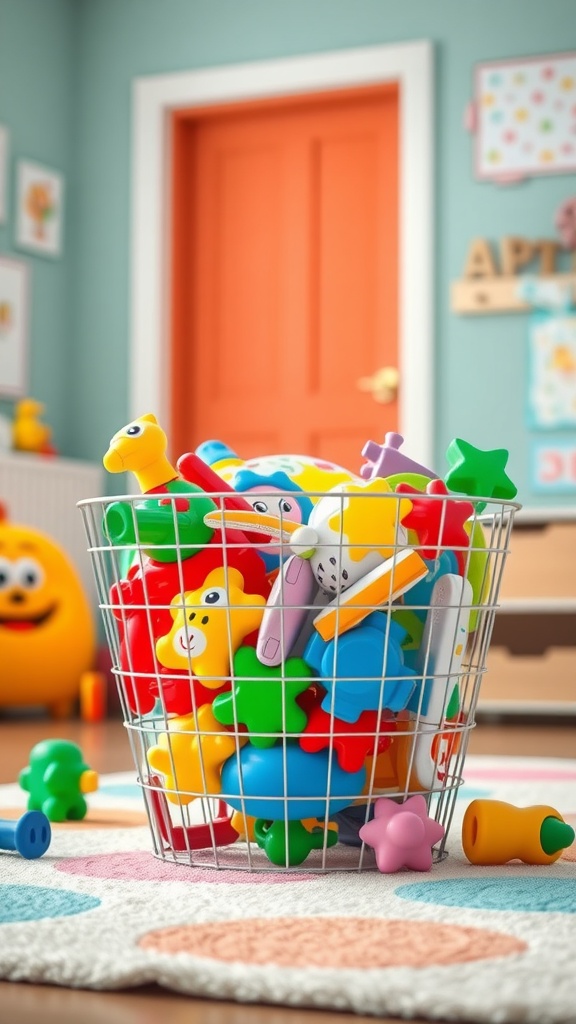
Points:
x=267, y=713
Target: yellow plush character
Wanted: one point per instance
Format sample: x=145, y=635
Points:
x=210, y=624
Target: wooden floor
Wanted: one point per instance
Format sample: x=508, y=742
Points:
x=106, y=749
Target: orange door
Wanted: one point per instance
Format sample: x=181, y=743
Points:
x=285, y=274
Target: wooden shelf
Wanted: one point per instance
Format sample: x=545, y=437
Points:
x=538, y=606
x=498, y=294
x=531, y=664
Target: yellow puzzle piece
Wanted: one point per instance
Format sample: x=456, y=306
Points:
x=209, y=626
x=191, y=754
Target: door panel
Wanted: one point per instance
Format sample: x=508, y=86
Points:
x=285, y=274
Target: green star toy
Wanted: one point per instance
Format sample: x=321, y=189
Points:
x=271, y=837
x=56, y=780
x=478, y=473
x=264, y=697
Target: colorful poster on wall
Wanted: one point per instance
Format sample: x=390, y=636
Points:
x=525, y=117
x=552, y=370
x=40, y=209
x=553, y=468
x=13, y=326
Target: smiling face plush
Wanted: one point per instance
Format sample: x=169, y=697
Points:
x=210, y=624
x=47, y=635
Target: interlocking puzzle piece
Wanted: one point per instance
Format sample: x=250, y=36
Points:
x=57, y=779
x=363, y=670
x=402, y=835
x=289, y=843
x=478, y=473
x=285, y=783
x=191, y=754
x=438, y=524
x=386, y=459
x=209, y=626
x=263, y=697
x=352, y=741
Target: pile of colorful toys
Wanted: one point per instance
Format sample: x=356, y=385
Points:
x=290, y=635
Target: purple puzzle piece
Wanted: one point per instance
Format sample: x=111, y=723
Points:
x=387, y=459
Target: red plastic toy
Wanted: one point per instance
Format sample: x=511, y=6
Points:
x=437, y=524
x=353, y=742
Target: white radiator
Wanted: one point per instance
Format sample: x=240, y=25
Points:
x=42, y=492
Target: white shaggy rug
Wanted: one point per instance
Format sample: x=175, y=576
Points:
x=459, y=942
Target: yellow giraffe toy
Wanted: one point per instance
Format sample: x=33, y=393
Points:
x=140, y=447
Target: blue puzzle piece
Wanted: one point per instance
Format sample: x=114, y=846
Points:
x=351, y=668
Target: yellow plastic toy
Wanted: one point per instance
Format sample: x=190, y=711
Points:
x=47, y=635
x=208, y=622
x=190, y=756
x=28, y=433
x=140, y=447
x=494, y=832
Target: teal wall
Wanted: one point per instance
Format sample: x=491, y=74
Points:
x=99, y=46
x=37, y=82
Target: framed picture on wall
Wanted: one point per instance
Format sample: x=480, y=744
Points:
x=524, y=117
x=552, y=370
x=40, y=209
x=14, y=287
x=3, y=173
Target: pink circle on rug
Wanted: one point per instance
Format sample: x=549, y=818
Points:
x=136, y=866
x=514, y=774
x=342, y=942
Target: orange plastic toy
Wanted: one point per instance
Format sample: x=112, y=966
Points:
x=494, y=832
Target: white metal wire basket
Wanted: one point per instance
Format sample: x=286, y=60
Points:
x=267, y=715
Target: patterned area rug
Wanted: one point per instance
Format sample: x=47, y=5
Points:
x=459, y=942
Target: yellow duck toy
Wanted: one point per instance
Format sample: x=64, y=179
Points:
x=28, y=433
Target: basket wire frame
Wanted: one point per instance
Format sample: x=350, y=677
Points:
x=193, y=827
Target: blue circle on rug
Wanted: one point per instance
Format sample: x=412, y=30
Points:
x=473, y=793
x=122, y=789
x=32, y=903
x=531, y=894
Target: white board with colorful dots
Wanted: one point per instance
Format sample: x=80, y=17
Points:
x=525, y=117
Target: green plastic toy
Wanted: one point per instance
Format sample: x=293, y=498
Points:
x=271, y=837
x=176, y=524
x=264, y=697
x=478, y=473
x=56, y=779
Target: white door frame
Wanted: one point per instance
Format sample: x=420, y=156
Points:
x=154, y=99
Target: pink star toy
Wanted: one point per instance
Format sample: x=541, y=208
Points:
x=402, y=835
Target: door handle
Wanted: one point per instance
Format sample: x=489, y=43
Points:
x=382, y=385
